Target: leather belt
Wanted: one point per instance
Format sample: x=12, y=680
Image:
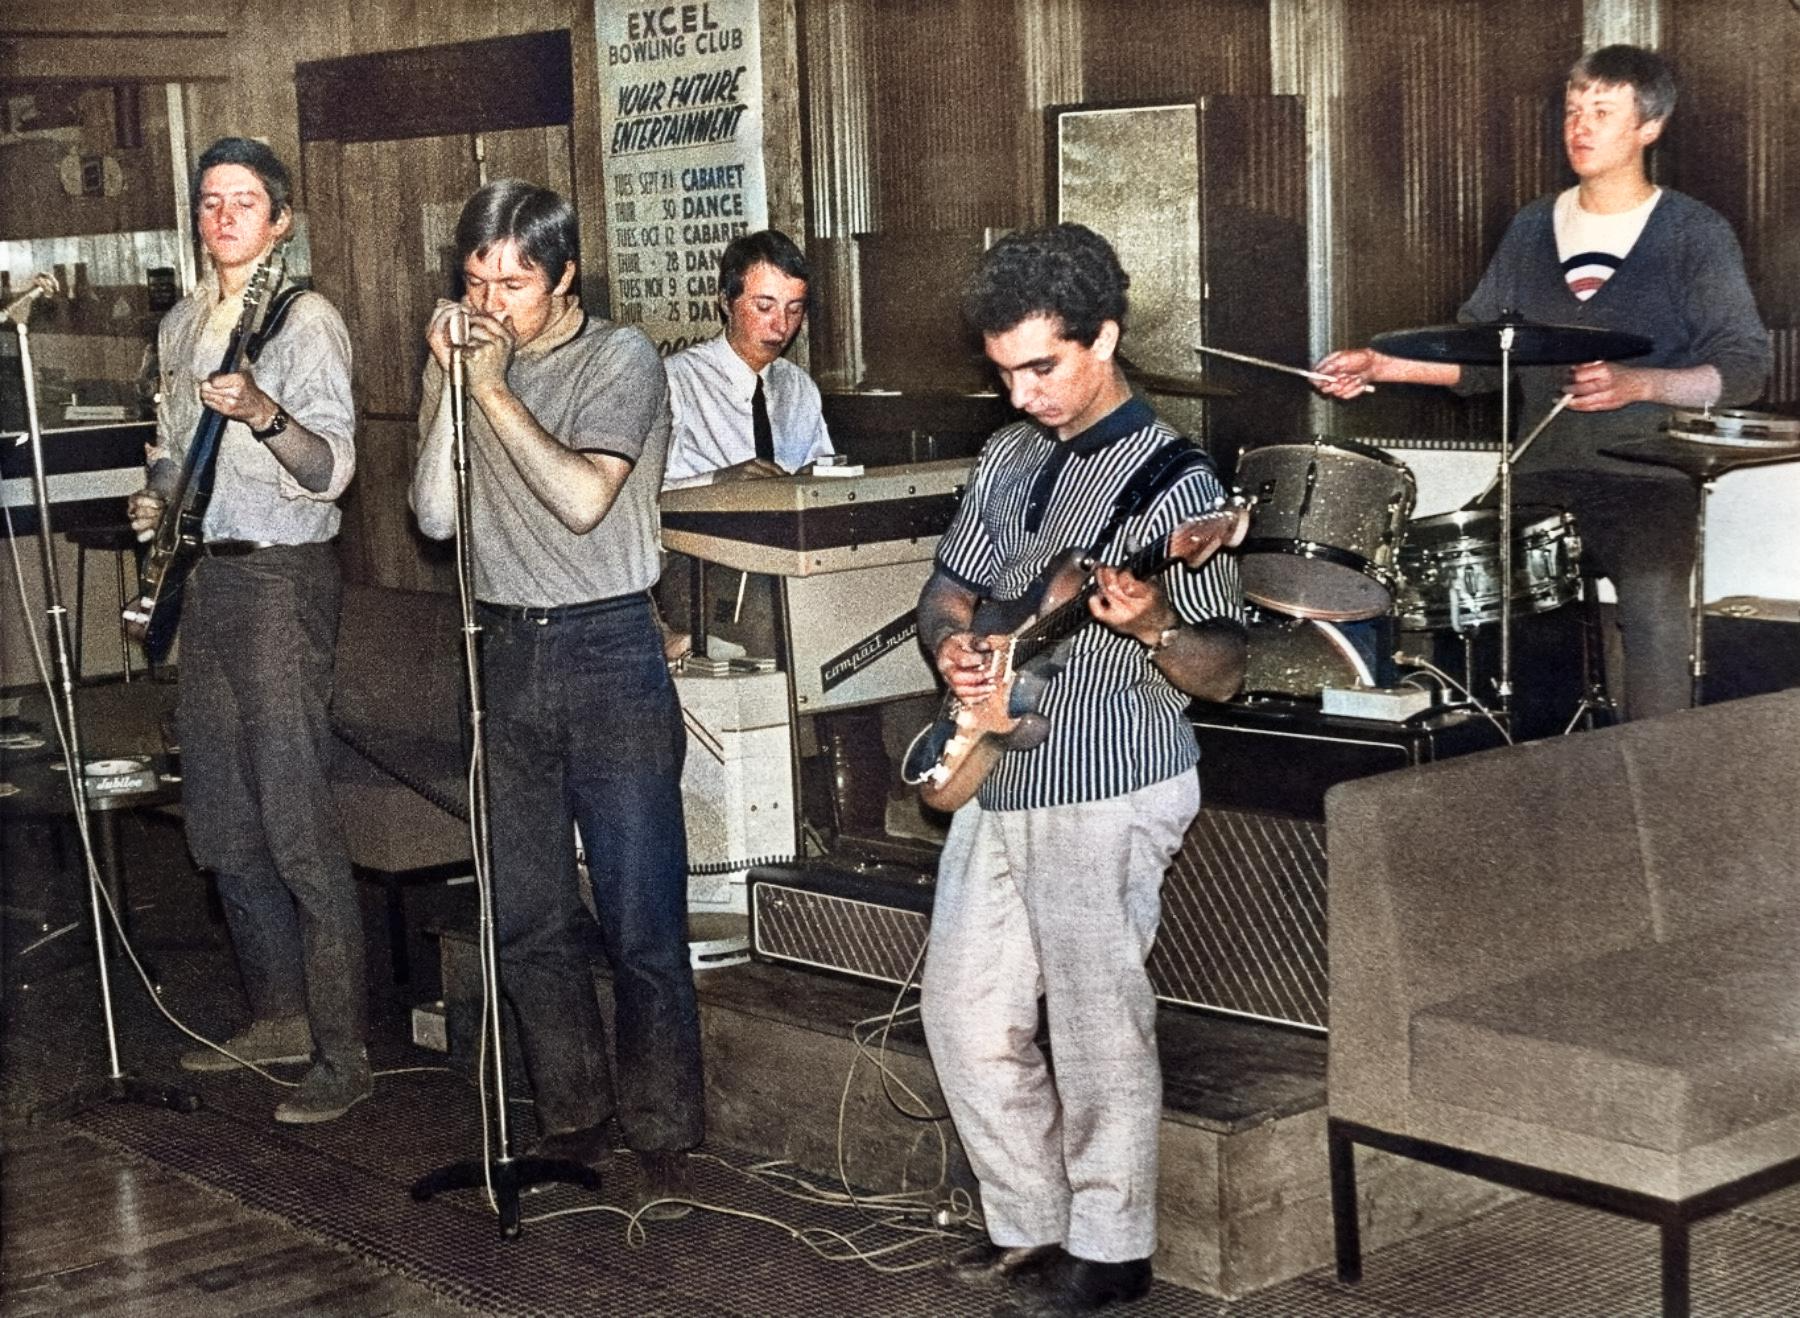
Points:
x=234, y=548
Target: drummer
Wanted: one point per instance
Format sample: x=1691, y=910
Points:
x=1614, y=252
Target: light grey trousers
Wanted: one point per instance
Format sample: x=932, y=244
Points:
x=1061, y=903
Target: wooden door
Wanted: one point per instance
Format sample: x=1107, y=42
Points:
x=383, y=192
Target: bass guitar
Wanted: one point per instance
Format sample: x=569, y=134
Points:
x=949, y=759
x=176, y=544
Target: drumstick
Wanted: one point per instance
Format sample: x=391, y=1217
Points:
x=1320, y=376
x=1519, y=452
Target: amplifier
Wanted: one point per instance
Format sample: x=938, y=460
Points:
x=1243, y=921
x=1243, y=928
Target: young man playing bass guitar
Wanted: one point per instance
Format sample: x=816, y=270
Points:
x=1050, y=878
x=259, y=626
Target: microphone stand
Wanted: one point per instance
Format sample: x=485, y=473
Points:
x=117, y=1087
x=503, y=1175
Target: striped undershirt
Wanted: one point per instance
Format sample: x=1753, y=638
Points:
x=1116, y=723
x=1591, y=247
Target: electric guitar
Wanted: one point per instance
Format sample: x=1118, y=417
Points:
x=948, y=760
x=175, y=546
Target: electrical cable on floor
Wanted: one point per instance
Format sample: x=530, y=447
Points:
x=1415, y=661
x=923, y=1216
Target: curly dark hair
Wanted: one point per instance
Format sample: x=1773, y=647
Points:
x=1063, y=270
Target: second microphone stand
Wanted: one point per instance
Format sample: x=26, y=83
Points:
x=118, y=1086
x=497, y=1169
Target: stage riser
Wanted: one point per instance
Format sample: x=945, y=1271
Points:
x=1241, y=1206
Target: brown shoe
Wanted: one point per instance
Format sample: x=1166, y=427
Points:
x=265, y=1043
x=988, y=1264
x=663, y=1182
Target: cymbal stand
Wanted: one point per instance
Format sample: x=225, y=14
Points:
x=503, y=1175
x=117, y=1087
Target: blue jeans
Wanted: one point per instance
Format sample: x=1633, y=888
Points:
x=583, y=728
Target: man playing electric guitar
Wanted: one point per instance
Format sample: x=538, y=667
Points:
x=1050, y=879
x=258, y=628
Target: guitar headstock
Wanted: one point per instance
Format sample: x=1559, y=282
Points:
x=260, y=292
x=1198, y=539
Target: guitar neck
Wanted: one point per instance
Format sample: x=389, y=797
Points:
x=1072, y=614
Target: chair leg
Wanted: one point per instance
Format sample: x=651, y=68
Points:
x=1344, y=1218
x=396, y=922
x=1675, y=1269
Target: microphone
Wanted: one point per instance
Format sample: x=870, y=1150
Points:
x=19, y=309
x=459, y=327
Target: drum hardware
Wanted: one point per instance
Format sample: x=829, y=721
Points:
x=1705, y=445
x=1325, y=529
x=1519, y=452
x=1245, y=357
x=1509, y=341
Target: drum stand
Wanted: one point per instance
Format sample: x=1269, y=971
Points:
x=503, y=1175
x=1712, y=447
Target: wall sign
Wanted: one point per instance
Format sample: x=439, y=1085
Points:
x=681, y=109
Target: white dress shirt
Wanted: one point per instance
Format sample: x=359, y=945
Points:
x=710, y=388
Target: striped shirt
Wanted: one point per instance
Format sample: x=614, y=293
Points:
x=1116, y=723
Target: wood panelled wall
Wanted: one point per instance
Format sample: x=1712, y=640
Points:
x=926, y=115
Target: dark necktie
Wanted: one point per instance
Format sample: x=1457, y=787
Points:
x=759, y=421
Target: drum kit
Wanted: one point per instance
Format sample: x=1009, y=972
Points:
x=1332, y=541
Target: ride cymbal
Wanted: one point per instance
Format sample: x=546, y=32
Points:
x=1534, y=343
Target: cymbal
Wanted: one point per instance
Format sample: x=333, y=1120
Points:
x=1700, y=459
x=1178, y=386
x=1534, y=343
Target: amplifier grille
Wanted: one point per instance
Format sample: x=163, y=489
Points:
x=1243, y=925
x=827, y=932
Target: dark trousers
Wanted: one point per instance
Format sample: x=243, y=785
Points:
x=1639, y=533
x=583, y=729
x=257, y=636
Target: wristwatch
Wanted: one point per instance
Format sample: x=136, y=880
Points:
x=1163, y=638
x=275, y=427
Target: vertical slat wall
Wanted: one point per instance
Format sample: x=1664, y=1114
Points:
x=1734, y=146
x=1449, y=129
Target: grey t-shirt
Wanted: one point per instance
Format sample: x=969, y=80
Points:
x=599, y=389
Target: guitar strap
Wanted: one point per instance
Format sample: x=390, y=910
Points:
x=1159, y=471
x=272, y=323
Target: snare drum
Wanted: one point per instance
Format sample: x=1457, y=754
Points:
x=1325, y=528
x=1451, y=563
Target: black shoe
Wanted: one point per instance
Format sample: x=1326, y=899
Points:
x=587, y=1145
x=663, y=1184
x=327, y=1091
x=988, y=1264
x=1078, y=1285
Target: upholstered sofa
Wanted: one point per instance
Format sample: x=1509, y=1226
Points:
x=1573, y=967
x=398, y=767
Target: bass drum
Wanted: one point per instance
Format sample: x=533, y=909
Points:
x=1451, y=563
x=1300, y=657
x=1325, y=528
